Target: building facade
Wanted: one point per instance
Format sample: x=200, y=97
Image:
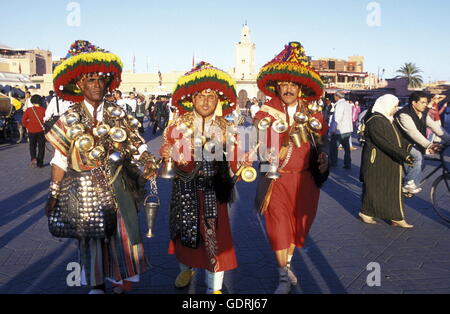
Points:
x=34, y=62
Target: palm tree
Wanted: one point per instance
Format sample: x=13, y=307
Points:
x=411, y=72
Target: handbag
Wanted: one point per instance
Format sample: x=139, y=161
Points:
x=86, y=207
x=48, y=125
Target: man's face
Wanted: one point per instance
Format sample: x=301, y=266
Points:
x=420, y=105
x=93, y=87
x=205, y=103
x=288, y=92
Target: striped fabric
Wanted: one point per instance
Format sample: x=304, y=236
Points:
x=115, y=260
x=57, y=137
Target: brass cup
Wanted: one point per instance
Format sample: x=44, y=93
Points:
x=280, y=126
x=249, y=174
x=264, y=124
x=300, y=118
x=296, y=138
x=118, y=135
x=75, y=131
x=97, y=153
x=101, y=130
x=273, y=173
x=315, y=124
x=314, y=108
x=71, y=119
x=85, y=142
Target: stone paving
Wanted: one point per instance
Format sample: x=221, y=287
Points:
x=334, y=261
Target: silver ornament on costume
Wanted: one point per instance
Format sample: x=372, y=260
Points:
x=115, y=157
x=85, y=142
x=314, y=108
x=117, y=113
x=75, y=131
x=97, y=153
x=118, y=135
x=71, y=119
x=264, y=124
x=133, y=150
x=315, y=124
x=301, y=118
x=101, y=130
x=133, y=122
x=280, y=126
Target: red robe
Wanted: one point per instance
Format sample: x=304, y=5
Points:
x=199, y=257
x=291, y=201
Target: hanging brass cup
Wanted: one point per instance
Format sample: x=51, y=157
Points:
x=75, y=131
x=71, y=119
x=118, y=135
x=151, y=210
x=168, y=171
x=85, y=142
x=280, y=126
x=101, y=130
x=97, y=153
x=264, y=124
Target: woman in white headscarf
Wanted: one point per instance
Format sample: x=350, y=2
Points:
x=383, y=156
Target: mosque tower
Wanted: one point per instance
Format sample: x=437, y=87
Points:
x=245, y=52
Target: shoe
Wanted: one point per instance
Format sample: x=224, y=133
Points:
x=284, y=286
x=411, y=188
x=214, y=292
x=353, y=148
x=184, y=278
x=367, y=219
x=97, y=291
x=348, y=167
x=292, y=278
x=118, y=290
x=401, y=224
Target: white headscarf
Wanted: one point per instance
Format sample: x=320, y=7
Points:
x=385, y=104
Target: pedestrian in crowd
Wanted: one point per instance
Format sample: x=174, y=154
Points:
x=131, y=104
x=254, y=109
x=327, y=111
x=288, y=196
x=119, y=100
x=110, y=245
x=341, y=130
x=356, y=110
x=56, y=107
x=435, y=114
x=413, y=121
x=384, y=153
x=151, y=110
x=140, y=112
x=162, y=114
x=33, y=121
x=27, y=101
x=202, y=187
x=50, y=96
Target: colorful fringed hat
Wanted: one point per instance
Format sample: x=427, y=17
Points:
x=205, y=76
x=291, y=65
x=83, y=58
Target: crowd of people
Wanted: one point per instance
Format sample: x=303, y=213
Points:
x=97, y=137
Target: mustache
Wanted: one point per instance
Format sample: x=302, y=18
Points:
x=288, y=94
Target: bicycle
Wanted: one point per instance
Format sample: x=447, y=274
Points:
x=440, y=190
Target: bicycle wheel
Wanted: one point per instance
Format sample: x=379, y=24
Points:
x=440, y=197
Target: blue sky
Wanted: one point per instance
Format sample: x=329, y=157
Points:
x=168, y=33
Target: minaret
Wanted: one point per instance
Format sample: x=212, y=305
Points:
x=245, y=56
